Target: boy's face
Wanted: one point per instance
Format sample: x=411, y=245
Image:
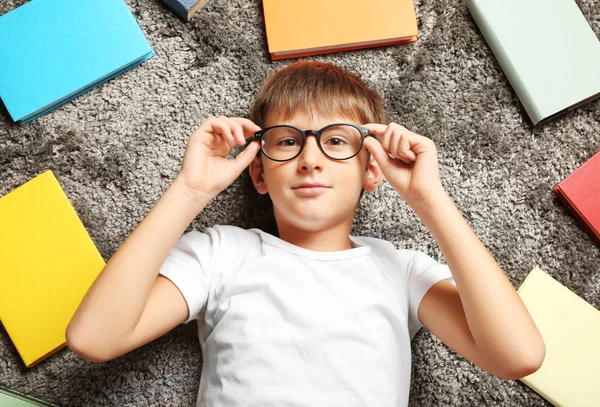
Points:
x=311, y=191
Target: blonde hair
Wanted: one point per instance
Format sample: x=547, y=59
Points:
x=317, y=88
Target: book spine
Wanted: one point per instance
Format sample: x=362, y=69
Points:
x=34, y=116
x=487, y=30
x=283, y=55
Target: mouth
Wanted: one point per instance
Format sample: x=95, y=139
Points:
x=310, y=189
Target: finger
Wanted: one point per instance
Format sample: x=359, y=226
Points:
x=378, y=152
x=404, y=148
x=387, y=164
x=236, y=134
x=400, y=145
x=381, y=130
x=394, y=143
x=386, y=140
x=236, y=130
x=376, y=128
x=421, y=144
x=244, y=158
x=248, y=126
x=222, y=129
x=397, y=152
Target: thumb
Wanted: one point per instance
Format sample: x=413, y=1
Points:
x=243, y=159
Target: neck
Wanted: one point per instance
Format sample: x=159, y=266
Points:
x=329, y=239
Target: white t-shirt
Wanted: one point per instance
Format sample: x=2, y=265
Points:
x=283, y=326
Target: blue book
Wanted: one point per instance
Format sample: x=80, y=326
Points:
x=54, y=50
x=185, y=8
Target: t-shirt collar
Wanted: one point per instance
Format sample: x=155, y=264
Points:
x=358, y=251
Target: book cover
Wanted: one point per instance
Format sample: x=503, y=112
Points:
x=47, y=264
x=309, y=27
x=547, y=50
x=570, y=327
x=54, y=50
x=185, y=9
x=580, y=192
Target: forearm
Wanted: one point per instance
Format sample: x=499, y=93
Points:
x=116, y=299
x=497, y=318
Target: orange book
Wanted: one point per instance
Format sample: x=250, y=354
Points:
x=298, y=28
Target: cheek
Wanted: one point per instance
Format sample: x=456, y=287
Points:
x=275, y=177
x=353, y=177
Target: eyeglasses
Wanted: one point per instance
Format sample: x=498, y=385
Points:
x=338, y=141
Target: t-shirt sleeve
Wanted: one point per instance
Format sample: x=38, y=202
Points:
x=423, y=272
x=189, y=265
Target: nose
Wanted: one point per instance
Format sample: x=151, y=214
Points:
x=311, y=157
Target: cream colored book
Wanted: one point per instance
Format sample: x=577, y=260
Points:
x=570, y=328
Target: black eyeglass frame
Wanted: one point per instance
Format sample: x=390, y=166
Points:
x=364, y=132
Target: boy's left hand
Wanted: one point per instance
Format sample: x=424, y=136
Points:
x=408, y=161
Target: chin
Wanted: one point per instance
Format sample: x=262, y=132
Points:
x=313, y=214
x=312, y=225
x=312, y=221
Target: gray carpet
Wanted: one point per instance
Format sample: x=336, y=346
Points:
x=116, y=148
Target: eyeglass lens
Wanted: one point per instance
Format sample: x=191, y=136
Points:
x=338, y=142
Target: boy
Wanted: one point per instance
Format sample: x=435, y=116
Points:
x=311, y=317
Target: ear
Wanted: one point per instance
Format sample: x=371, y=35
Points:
x=256, y=173
x=373, y=175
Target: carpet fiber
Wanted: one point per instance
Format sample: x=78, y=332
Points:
x=116, y=148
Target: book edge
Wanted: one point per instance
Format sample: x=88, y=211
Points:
x=278, y=56
x=57, y=104
x=504, y=61
x=577, y=170
x=25, y=397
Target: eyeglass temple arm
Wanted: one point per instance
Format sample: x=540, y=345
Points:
x=251, y=139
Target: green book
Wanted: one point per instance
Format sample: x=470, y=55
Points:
x=547, y=50
x=13, y=398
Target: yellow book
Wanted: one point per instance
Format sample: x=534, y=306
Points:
x=570, y=328
x=47, y=263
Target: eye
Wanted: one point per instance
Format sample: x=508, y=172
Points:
x=287, y=142
x=335, y=141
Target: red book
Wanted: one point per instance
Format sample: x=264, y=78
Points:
x=580, y=192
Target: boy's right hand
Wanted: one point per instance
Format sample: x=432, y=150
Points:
x=206, y=170
x=111, y=320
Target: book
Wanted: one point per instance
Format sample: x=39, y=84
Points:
x=54, y=50
x=13, y=398
x=185, y=9
x=47, y=264
x=580, y=192
x=309, y=27
x=547, y=50
x=570, y=327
